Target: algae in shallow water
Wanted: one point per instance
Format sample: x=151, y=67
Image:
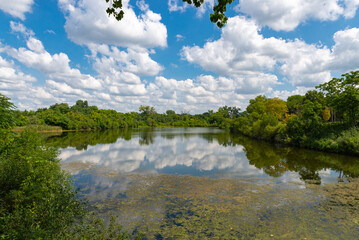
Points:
x=186, y=207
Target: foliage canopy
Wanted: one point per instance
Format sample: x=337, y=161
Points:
x=218, y=16
x=343, y=95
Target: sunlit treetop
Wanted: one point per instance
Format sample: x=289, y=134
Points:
x=218, y=16
x=6, y=116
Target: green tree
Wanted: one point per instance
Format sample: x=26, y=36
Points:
x=234, y=112
x=294, y=103
x=80, y=106
x=315, y=96
x=261, y=118
x=170, y=112
x=146, y=110
x=229, y=112
x=343, y=95
x=37, y=197
x=257, y=105
x=6, y=112
x=55, y=118
x=308, y=124
x=63, y=108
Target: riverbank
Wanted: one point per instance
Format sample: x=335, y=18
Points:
x=47, y=129
x=334, y=141
x=336, y=138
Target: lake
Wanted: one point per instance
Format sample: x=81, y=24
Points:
x=205, y=183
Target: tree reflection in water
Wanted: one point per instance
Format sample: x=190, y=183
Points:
x=274, y=160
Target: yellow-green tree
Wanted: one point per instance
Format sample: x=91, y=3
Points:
x=276, y=107
x=326, y=114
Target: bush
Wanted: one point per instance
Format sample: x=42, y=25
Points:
x=37, y=198
x=349, y=141
x=346, y=142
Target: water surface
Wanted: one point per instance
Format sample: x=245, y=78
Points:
x=207, y=183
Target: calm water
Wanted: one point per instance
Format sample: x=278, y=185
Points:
x=206, y=183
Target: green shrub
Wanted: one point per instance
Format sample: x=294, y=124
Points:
x=349, y=140
x=346, y=142
x=37, y=198
x=326, y=144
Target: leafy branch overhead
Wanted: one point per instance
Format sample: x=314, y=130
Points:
x=115, y=9
x=218, y=16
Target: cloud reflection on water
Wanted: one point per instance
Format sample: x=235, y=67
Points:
x=204, y=152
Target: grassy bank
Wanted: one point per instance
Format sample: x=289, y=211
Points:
x=328, y=137
x=39, y=128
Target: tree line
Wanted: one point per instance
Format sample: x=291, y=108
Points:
x=81, y=116
x=323, y=119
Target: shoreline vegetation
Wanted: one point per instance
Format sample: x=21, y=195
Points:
x=38, y=199
x=324, y=119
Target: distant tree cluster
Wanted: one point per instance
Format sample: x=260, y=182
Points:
x=76, y=117
x=81, y=116
x=325, y=119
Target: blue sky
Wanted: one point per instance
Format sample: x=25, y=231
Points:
x=168, y=54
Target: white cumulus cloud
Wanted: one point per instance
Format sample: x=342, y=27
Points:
x=243, y=53
x=88, y=23
x=287, y=15
x=20, y=28
x=135, y=60
x=54, y=66
x=10, y=75
x=282, y=15
x=346, y=50
x=180, y=6
x=16, y=8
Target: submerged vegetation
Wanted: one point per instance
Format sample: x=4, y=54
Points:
x=187, y=207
